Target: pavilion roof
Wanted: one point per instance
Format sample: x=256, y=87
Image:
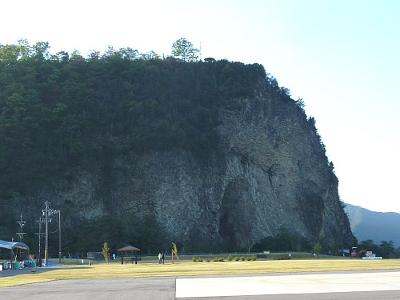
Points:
x=128, y=248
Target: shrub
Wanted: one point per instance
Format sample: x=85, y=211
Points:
x=243, y=258
x=249, y=258
x=105, y=251
x=195, y=259
x=229, y=258
x=237, y=258
x=317, y=248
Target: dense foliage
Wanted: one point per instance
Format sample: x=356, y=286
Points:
x=385, y=249
x=59, y=111
x=282, y=242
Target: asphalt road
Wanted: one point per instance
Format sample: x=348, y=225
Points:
x=153, y=289
x=135, y=288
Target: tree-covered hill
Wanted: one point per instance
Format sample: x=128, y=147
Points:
x=373, y=225
x=59, y=112
x=138, y=149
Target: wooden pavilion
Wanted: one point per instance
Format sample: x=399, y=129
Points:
x=130, y=253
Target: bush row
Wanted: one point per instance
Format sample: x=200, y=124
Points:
x=222, y=259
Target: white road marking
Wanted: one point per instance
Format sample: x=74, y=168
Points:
x=287, y=284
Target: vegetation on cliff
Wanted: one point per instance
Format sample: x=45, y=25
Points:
x=62, y=113
x=58, y=112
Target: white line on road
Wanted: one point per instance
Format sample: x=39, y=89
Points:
x=287, y=284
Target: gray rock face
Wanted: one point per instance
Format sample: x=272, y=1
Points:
x=270, y=172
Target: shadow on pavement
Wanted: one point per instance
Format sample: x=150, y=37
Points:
x=8, y=273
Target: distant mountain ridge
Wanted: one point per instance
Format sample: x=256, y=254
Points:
x=372, y=225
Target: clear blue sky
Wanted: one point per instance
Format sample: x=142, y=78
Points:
x=342, y=57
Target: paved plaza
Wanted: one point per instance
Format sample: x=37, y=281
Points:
x=275, y=285
x=324, y=286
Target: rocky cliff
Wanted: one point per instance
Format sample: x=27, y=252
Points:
x=264, y=171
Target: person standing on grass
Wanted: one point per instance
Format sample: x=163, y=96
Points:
x=159, y=257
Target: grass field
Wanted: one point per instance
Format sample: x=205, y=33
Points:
x=195, y=269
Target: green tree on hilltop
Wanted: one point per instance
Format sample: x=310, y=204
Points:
x=183, y=49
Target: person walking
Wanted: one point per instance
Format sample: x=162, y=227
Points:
x=163, y=257
x=159, y=257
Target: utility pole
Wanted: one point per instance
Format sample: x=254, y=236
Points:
x=59, y=236
x=46, y=243
x=39, y=234
x=40, y=238
x=21, y=232
x=47, y=213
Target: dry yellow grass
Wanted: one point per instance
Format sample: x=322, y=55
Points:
x=103, y=271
